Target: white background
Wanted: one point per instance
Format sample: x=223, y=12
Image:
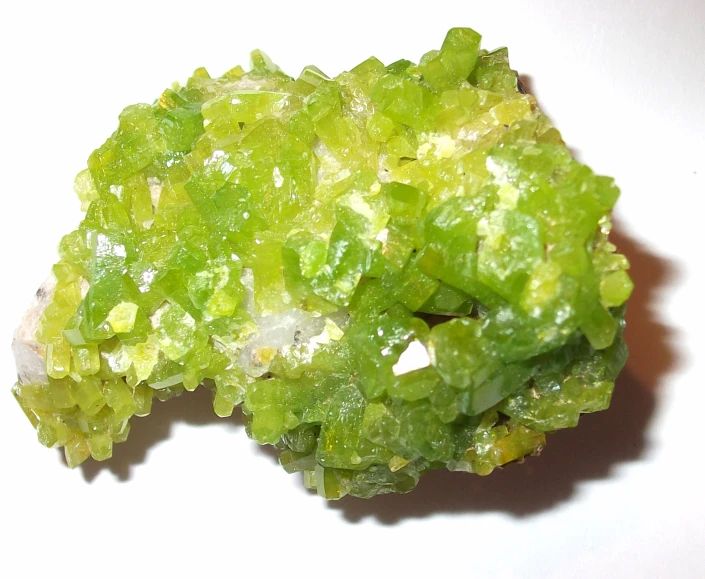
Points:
x=189, y=495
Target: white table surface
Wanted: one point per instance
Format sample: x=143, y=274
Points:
x=189, y=495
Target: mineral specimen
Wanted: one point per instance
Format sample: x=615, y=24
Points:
x=395, y=270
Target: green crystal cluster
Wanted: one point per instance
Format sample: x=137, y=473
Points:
x=426, y=220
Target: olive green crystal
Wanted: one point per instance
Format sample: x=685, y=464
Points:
x=395, y=270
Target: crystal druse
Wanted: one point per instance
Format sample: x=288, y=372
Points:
x=395, y=270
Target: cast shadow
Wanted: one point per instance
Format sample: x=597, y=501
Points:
x=600, y=443
x=194, y=408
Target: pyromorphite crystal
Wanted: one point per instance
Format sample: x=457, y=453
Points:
x=395, y=270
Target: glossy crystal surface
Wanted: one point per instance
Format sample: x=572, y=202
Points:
x=397, y=269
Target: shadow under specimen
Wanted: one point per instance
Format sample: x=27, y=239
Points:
x=589, y=451
x=600, y=442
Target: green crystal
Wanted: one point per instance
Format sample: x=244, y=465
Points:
x=398, y=269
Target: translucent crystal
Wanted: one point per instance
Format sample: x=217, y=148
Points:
x=397, y=269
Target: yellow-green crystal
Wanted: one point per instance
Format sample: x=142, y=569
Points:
x=397, y=269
